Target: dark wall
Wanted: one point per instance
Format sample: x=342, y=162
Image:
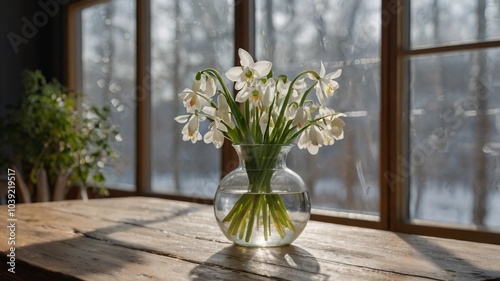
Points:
x=32, y=37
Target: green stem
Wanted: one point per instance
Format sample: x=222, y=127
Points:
x=259, y=205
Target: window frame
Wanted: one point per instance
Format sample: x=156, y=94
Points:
x=393, y=215
x=399, y=126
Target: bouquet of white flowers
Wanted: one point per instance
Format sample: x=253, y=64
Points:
x=266, y=110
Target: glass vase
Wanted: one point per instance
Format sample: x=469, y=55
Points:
x=262, y=203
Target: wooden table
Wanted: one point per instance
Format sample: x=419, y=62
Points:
x=139, y=238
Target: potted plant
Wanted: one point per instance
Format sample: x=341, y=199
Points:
x=54, y=140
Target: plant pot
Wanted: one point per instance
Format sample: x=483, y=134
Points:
x=262, y=203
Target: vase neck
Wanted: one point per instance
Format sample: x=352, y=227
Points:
x=262, y=156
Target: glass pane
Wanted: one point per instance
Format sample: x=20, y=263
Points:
x=444, y=22
x=108, y=77
x=297, y=35
x=187, y=36
x=454, y=155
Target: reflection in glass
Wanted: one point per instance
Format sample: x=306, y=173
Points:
x=454, y=150
x=108, y=78
x=296, y=35
x=187, y=36
x=444, y=22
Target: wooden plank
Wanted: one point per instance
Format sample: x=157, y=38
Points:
x=119, y=238
x=275, y=263
x=66, y=254
x=48, y=242
x=429, y=257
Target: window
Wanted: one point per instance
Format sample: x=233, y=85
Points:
x=453, y=162
x=106, y=63
x=296, y=36
x=419, y=87
x=186, y=36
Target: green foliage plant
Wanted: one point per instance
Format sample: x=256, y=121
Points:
x=52, y=129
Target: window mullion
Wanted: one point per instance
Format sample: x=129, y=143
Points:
x=244, y=14
x=143, y=94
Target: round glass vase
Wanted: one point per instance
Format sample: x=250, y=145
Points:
x=262, y=203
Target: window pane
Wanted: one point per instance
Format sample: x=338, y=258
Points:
x=297, y=35
x=108, y=77
x=444, y=22
x=187, y=36
x=454, y=155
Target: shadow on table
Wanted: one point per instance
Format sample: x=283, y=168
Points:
x=447, y=261
x=70, y=259
x=243, y=263
x=60, y=254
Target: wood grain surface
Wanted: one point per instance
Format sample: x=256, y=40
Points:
x=138, y=238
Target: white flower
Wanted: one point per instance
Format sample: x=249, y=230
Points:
x=191, y=100
x=326, y=85
x=264, y=120
x=273, y=110
x=291, y=111
x=269, y=93
x=282, y=88
x=215, y=135
x=334, y=126
x=312, y=139
x=190, y=97
x=247, y=73
x=302, y=115
x=210, y=88
x=256, y=97
x=300, y=118
x=244, y=94
x=334, y=131
x=196, y=97
x=190, y=130
x=223, y=112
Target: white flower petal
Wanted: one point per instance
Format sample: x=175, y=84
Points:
x=335, y=74
x=182, y=118
x=242, y=95
x=291, y=112
x=240, y=85
x=313, y=149
x=315, y=136
x=304, y=139
x=208, y=137
x=223, y=105
x=218, y=139
x=246, y=59
x=197, y=85
x=193, y=125
x=196, y=138
x=300, y=117
x=322, y=70
x=210, y=87
x=210, y=111
x=234, y=73
x=262, y=68
x=321, y=95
